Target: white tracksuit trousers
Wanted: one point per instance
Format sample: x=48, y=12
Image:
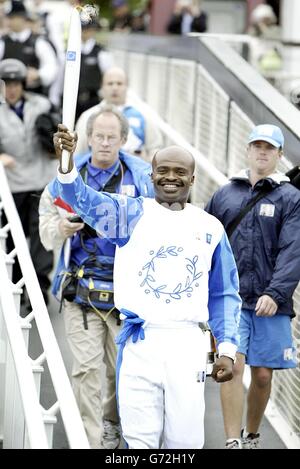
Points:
x=161, y=388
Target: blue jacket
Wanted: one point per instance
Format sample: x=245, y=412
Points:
x=266, y=243
x=137, y=124
x=140, y=173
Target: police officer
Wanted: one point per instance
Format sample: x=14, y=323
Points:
x=33, y=50
x=95, y=60
x=28, y=167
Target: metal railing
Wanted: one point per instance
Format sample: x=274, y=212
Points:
x=24, y=423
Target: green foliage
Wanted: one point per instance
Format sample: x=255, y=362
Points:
x=106, y=9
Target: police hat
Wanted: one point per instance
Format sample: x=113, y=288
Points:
x=12, y=70
x=17, y=9
x=92, y=24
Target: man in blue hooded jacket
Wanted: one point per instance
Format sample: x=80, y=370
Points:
x=266, y=246
x=104, y=168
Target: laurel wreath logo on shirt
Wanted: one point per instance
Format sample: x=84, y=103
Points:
x=184, y=287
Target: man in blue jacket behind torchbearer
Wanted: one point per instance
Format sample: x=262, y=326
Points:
x=266, y=245
x=174, y=269
x=84, y=276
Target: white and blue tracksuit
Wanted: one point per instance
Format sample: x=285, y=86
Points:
x=173, y=270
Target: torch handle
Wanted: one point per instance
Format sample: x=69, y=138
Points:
x=71, y=80
x=65, y=161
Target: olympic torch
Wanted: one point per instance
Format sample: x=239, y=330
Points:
x=71, y=80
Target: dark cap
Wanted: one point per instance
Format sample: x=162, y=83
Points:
x=118, y=3
x=17, y=9
x=93, y=24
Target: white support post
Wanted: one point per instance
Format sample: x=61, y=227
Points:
x=50, y=421
x=3, y=237
x=3, y=343
x=9, y=265
x=14, y=420
x=3, y=233
x=3, y=351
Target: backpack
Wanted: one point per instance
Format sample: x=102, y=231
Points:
x=294, y=175
x=45, y=126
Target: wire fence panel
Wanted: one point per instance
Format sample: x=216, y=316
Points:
x=120, y=58
x=211, y=119
x=137, y=67
x=157, y=84
x=181, y=97
x=203, y=189
x=286, y=383
x=239, y=128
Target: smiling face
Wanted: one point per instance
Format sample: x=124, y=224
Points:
x=263, y=157
x=173, y=175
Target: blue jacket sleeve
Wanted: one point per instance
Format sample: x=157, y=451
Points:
x=224, y=301
x=113, y=216
x=286, y=274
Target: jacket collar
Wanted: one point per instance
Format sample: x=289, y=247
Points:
x=132, y=162
x=275, y=179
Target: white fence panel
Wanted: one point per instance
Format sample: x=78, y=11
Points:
x=137, y=72
x=211, y=119
x=157, y=84
x=181, y=97
x=239, y=128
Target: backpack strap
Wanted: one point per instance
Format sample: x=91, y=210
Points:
x=236, y=221
x=111, y=187
x=294, y=175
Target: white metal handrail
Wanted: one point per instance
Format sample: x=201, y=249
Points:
x=66, y=401
x=31, y=407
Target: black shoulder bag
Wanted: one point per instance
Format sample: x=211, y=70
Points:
x=293, y=174
x=236, y=221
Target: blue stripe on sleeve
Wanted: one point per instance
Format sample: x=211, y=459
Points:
x=224, y=301
x=113, y=216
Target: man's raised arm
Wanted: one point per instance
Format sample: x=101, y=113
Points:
x=113, y=216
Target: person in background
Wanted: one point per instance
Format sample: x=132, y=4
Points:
x=263, y=22
x=266, y=246
x=187, y=18
x=33, y=50
x=5, y=6
x=122, y=17
x=91, y=329
x=139, y=21
x=95, y=60
x=28, y=166
x=265, y=47
x=144, y=137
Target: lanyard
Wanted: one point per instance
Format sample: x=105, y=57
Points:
x=102, y=186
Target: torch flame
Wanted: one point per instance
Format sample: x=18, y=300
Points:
x=88, y=13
